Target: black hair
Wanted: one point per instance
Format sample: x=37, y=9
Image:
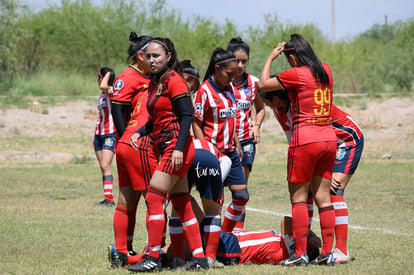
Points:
x=191, y=71
x=221, y=57
x=103, y=71
x=283, y=95
x=137, y=44
x=236, y=43
x=301, y=48
x=168, y=46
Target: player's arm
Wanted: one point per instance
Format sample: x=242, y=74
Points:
x=260, y=114
x=266, y=82
x=121, y=113
x=197, y=128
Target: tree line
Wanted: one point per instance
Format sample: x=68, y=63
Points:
x=80, y=36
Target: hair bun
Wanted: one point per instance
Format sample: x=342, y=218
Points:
x=133, y=36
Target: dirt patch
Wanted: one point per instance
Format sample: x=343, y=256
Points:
x=388, y=126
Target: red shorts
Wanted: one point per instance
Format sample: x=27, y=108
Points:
x=164, y=163
x=135, y=167
x=305, y=161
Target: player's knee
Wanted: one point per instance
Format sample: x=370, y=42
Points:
x=242, y=195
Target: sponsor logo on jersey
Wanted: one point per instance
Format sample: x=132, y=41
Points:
x=244, y=105
x=227, y=113
x=119, y=84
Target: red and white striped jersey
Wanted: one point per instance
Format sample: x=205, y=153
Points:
x=285, y=120
x=245, y=95
x=105, y=123
x=346, y=129
x=260, y=247
x=216, y=109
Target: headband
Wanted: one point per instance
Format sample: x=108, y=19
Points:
x=162, y=43
x=226, y=60
x=191, y=75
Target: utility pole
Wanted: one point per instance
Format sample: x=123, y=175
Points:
x=333, y=22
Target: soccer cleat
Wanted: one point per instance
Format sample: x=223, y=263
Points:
x=106, y=202
x=132, y=252
x=116, y=258
x=195, y=263
x=340, y=257
x=294, y=260
x=147, y=264
x=177, y=262
x=327, y=259
x=214, y=263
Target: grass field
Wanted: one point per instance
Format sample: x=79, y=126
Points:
x=49, y=223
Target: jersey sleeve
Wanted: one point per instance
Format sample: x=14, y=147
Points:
x=288, y=79
x=177, y=87
x=123, y=89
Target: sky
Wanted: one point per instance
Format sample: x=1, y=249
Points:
x=352, y=17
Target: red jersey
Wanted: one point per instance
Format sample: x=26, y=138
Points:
x=245, y=95
x=346, y=129
x=128, y=85
x=105, y=123
x=160, y=106
x=311, y=105
x=216, y=109
x=131, y=87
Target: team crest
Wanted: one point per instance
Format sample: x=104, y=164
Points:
x=248, y=92
x=159, y=90
x=198, y=108
x=340, y=153
x=119, y=84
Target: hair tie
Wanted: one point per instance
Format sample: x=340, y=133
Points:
x=226, y=60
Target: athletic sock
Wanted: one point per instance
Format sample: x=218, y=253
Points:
x=131, y=225
x=212, y=228
x=135, y=259
x=310, y=208
x=155, y=220
x=108, y=182
x=177, y=237
x=341, y=222
x=300, y=226
x=120, y=228
x=327, y=221
x=235, y=209
x=182, y=206
x=240, y=223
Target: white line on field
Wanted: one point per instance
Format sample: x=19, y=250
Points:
x=356, y=227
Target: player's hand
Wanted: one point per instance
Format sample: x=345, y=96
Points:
x=177, y=159
x=239, y=151
x=335, y=185
x=256, y=134
x=278, y=50
x=133, y=140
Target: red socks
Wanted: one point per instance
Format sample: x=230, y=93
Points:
x=212, y=228
x=233, y=213
x=121, y=228
x=327, y=221
x=341, y=222
x=182, y=206
x=155, y=220
x=300, y=225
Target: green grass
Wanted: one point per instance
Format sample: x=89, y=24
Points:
x=50, y=224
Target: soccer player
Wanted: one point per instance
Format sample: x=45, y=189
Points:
x=245, y=92
x=104, y=139
x=215, y=121
x=207, y=173
x=134, y=167
x=350, y=143
x=170, y=109
x=311, y=153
